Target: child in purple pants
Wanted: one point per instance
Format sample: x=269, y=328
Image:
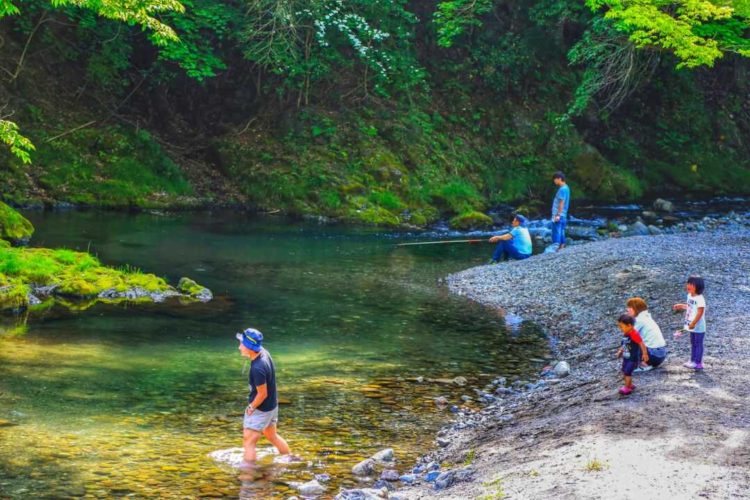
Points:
x=695, y=320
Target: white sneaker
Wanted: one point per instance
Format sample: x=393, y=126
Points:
x=646, y=368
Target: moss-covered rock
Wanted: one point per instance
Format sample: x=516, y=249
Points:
x=14, y=227
x=78, y=276
x=194, y=290
x=471, y=220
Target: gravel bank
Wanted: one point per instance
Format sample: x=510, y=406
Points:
x=682, y=434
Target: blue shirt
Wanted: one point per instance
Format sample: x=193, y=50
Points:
x=521, y=240
x=262, y=372
x=562, y=194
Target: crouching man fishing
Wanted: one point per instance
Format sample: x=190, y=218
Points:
x=262, y=413
x=514, y=245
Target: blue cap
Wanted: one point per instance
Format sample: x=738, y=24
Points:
x=251, y=338
x=521, y=219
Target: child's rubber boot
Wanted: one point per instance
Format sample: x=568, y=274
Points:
x=626, y=391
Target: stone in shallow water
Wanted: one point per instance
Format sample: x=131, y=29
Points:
x=364, y=468
x=385, y=455
x=311, y=488
x=234, y=457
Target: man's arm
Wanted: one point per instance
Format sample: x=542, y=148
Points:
x=559, y=208
x=259, y=398
x=502, y=237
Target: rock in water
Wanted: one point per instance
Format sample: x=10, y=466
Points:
x=460, y=381
x=364, y=468
x=385, y=455
x=311, y=488
x=235, y=457
x=193, y=289
x=562, y=369
x=232, y=456
x=663, y=205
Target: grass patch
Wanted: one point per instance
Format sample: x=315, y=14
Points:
x=496, y=490
x=470, y=457
x=595, y=465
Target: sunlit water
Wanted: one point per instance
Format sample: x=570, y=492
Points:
x=130, y=400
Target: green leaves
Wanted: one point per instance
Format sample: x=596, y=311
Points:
x=698, y=32
x=454, y=17
x=19, y=145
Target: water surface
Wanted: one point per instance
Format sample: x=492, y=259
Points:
x=119, y=400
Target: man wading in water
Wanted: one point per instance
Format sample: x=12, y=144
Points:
x=262, y=413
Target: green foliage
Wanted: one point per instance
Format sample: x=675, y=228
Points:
x=687, y=28
x=110, y=167
x=459, y=196
x=19, y=145
x=204, y=28
x=455, y=17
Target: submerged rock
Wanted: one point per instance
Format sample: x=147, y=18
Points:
x=364, y=468
x=385, y=455
x=311, y=488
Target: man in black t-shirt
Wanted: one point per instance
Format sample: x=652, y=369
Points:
x=262, y=412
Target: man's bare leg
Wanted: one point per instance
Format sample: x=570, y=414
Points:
x=276, y=440
x=249, y=440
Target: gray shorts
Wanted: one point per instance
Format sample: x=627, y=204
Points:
x=259, y=420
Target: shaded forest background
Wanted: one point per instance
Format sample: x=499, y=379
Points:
x=375, y=111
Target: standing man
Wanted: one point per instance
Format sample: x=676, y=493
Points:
x=560, y=210
x=262, y=413
x=516, y=244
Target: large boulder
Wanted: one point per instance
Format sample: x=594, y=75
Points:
x=14, y=227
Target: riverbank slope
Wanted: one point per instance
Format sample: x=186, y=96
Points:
x=682, y=434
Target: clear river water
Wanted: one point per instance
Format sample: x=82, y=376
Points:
x=129, y=400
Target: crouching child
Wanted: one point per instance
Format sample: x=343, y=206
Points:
x=632, y=351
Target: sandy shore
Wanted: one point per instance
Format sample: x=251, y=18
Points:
x=682, y=434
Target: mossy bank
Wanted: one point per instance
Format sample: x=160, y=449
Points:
x=29, y=277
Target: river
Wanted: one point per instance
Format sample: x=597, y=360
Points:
x=129, y=400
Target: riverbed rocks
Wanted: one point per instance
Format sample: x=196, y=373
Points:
x=364, y=494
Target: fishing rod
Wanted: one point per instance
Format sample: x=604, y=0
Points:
x=441, y=242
